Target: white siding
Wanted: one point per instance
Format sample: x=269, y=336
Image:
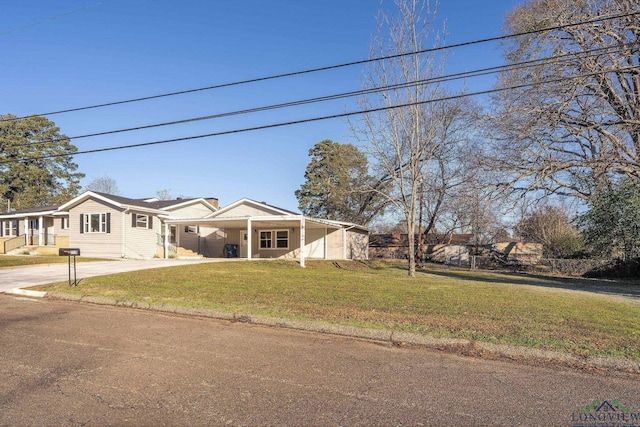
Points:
x=314, y=243
x=245, y=210
x=140, y=243
x=335, y=249
x=96, y=244
x=196, y=210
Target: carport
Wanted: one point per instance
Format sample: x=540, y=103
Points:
x=273, y=236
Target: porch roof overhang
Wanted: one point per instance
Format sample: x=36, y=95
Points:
x=272, y=221
x=32, y=214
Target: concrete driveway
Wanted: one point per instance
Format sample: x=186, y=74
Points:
x=22, y=277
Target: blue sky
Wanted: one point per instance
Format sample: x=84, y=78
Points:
x=63, y=54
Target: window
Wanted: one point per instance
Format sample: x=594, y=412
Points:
x=282, y=239
x=265, y=240
x=142, y=221
x=274, y=239
x=65, y=223
x=10, y=228
x=192, y=229
x=172, y=234
x=34, y=224
x=95, y=223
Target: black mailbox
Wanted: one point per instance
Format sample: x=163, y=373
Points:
x=69, y=252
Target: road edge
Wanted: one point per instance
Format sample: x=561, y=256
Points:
x=453, y=345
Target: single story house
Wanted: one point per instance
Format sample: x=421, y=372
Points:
x=104, y=225
x=447, y=248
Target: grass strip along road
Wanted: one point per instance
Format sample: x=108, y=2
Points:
x=532, y=311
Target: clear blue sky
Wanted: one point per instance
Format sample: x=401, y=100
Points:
x=59, y=54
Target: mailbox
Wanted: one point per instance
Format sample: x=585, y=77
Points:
x=69, y=252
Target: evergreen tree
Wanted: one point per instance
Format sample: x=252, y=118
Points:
x=612, y=224
x=36, y=166
x=338, y=185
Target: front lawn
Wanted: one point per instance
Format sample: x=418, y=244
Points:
x=512, y=309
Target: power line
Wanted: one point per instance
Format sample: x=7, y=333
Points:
x=439, y=79
x=53, y=18
x=314, y=119
x=332, y=67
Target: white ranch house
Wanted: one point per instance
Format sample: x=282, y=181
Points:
x=104, y=225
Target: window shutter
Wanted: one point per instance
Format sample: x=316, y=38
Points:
x=108, y=222
x=1, y=228
x=150, y=225
x=81, y=223
x=133, y=220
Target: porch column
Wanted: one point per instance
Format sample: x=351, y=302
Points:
x=26, y=231
x=40, y=231
x=326, y=243
x=302, y=242
x=166, y=240
x=249, y=238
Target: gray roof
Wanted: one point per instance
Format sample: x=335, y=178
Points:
x=36, y=209
x=143, y=203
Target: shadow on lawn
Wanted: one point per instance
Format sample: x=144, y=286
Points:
x=599, y=286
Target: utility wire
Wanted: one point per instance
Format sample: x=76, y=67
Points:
x=362, y=92
x=332, y=67
x=52, y=18
x=314, y=119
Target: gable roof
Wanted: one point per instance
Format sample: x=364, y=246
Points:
x=269, y=209
x=125, y=202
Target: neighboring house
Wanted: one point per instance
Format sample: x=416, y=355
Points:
x=112, y=226
x=438, y=247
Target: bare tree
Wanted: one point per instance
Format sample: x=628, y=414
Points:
x=411, y=139
x=104, y=184
x=576, y=122
x=164, y=194
x=551, y=226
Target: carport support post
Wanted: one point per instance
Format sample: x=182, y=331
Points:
x=40, y=230
x=302, y=242
x=249, y=237
x=166, y=240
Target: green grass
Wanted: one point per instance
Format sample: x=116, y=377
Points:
x=511, y=309
x=20, y=260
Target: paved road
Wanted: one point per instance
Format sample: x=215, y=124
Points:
x=64, y=363
x=20, y=277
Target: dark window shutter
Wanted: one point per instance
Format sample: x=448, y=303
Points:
x=81, y=223
x=186, y=228
x=150, y=222
x=1, y=228
x=133, y=220
x=108, y=222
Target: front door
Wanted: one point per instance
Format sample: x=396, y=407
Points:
x=243, y=244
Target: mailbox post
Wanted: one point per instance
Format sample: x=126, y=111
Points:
x=70, y=252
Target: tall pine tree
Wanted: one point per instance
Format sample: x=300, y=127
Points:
x=36, y=164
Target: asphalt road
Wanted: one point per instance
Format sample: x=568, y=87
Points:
x=65, y=363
